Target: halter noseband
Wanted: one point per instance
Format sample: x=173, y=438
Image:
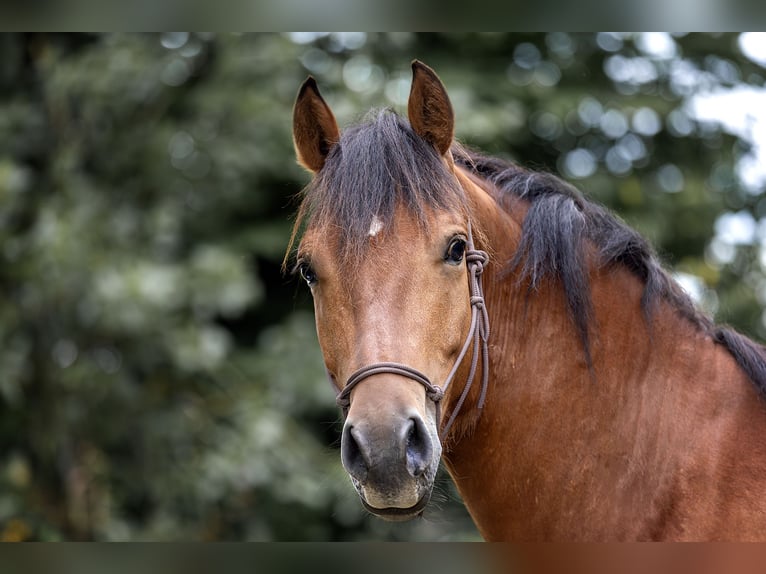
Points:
x=475, y=259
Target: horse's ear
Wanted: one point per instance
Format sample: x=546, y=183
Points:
x=429, y=108
x=315, y=130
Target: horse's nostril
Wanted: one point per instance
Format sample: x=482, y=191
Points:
x=365, y=452
x=418, y=447
x=352, y=455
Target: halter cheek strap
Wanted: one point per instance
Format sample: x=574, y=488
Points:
x=478, y=334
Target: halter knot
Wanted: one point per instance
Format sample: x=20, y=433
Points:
x=477, y=259
x=436, y=394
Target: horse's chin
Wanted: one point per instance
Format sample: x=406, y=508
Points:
x=395, y=514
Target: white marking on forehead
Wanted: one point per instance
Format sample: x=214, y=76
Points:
x=375, y=226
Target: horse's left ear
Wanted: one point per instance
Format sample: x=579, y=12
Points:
x=429, y=108
x=315, y=130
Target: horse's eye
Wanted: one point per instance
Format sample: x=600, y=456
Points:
x=307, y=273
x=455, y=251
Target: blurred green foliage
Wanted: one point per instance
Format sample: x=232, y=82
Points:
x=159, y=376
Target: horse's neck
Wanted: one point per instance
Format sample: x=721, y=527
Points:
x=556, y=437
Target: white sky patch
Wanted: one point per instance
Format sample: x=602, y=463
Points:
x=375, y=226
x=736, y=228
x=753, y=46
x=692, y=284
x=657, y=44
x=740, y=111
x=696, y=289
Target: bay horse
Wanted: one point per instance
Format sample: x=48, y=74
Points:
x=605, y=407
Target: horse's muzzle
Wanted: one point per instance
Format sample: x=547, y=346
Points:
x=392, y=464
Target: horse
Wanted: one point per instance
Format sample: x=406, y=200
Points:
x=609, y=407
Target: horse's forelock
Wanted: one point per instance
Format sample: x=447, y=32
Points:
x=378, y=166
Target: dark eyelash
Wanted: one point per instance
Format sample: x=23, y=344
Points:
x=299, y=262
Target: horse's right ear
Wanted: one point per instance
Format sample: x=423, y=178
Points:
x=315, y=130
x=429, y=109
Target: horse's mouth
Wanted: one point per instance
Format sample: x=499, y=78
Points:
x=394, y=514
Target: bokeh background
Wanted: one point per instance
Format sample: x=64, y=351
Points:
x=160, y=377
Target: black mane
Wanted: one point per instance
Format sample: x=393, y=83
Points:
x=559, y=222
x=381, y=164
